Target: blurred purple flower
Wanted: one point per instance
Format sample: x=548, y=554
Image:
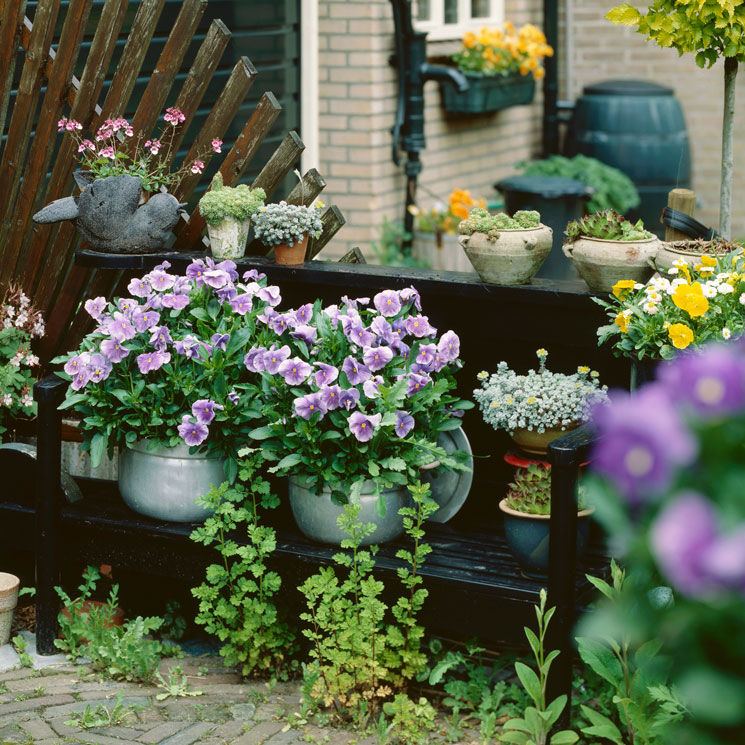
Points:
x=229, y=267
x=358, y=334
x=280, y=322
x=220, y=341
x=192, y=433
x=376, y=358
x=195, y=272
x=325, y=374
x=274, y=358
x=305, y=333
x=189, y=347
x=348, y=398
x=362, y=426
x=204, y=410
x=331, y=396
x=356, y=372
x=227, y=293
x=419, y=326
x=150, y=361
x=216, y=278
x=139, y=288
x=387, y=303
x=113, y=350
x=78, y=363
x=295, y=371
x=80, y=380
x=95, y=307
x=404, y=423
x=332, y=311
x=241, y=304
x=308, y=405
x=254, y=359
x=382, y=329
x=371, y=387
x=449, y=346
x=233, y=397
x=252, y=275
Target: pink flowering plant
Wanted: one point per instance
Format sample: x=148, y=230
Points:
x=668, y=487
x=110, y=153
x=20, y=323
x=165, y=363
x=356, y=391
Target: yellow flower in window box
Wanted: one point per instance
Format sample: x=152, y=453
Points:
x=691, y=299
x=680, y=335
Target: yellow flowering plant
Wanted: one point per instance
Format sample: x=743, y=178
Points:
x=444, y=219
x=504, y=51
x=686, y=308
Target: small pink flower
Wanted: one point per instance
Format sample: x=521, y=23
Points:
x=129, y=131
x=174, y=116
x=197, y=166
x=107, y=152
x=61, y=123
x=217, y=145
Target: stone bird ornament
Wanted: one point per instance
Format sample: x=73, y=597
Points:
x=109, y=216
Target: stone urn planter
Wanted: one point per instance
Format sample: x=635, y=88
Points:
x=228, y=238
x=513, y=258
x=688, y=251
x=9, y=585
x=602, y=263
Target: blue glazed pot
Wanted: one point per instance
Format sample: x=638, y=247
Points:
x=528, y=537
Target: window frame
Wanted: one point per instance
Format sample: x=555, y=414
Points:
x=437, y=30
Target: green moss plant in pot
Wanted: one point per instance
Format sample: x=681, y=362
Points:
x=539, y=406
x=527, y=518
x=286, y=229
x=605, y=247
x=227, y=211
x=505, y=250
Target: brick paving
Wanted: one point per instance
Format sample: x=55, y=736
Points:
x=35, y=705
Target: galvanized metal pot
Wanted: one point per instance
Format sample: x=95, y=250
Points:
x=165, y=482
x=316, y=514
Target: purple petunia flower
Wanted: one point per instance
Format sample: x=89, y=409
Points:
x=304, y=314
x=348, y=398
x=160, y=280
x=295, y=371
x=274, y=358
x=326, y=374
x=176, y=302
x=114, y=350
x=419, y=326
x=404, y=423
x=388, y=303
x=305, y=333
x=642, y=439
x=192, y=433
x=241, y=304
x=220, y=341
x=307, y=406
x=139, y=288
x=99, y=368
x=371, y=388
x=417, y=383
x=150, y=361
x=95, y=308
x=331, y=396
x=145, y=320
x=362, y=426
x=270, y=295
x=376, y=358
x=204, y=410
x=356, y=372
x=449, y=346
x=120, y=328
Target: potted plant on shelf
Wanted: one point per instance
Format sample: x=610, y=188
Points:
x=692, y=251
x=526, y=511
x=123, y=206
x=355, y=397
x=286, y=228
x=505, y=250
x=161, y=378
x=606, y=247
x=227, y=211
x=537, y=407
x=501, y=65
x=436, y=233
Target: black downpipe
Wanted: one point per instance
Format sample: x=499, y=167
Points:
x=413, y=72
x=551, y=81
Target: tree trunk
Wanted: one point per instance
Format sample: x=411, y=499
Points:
x=725, y=194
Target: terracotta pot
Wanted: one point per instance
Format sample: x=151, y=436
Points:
x=9, y=585
x=602, y=263
x=669, y=252
x=537, y=442
x=513, y=258
x=291, y=255
x=117, y=619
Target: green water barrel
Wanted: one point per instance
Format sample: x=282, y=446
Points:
x=639, y=128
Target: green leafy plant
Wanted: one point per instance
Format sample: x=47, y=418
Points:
x=534, y=726
x=358, y=659
x=174, y=624
x=607, y=225
x=412, y=721
x=480, y=221
x=613, y=189
x=176, y=685
x=120, y=652
x=391, y=249
x=239, y=202
x=103, y=716
x=236, y=600
x=20, y=645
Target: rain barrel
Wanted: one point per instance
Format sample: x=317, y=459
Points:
x=638, y=127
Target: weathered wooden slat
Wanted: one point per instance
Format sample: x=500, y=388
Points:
x=333, y=221
x=280, y=164
x=218, y=120
x=65, y=306
x=189, y=232
x=14, y=233
x=355, y=256
x=27, y=98
x=11, y=25
x=43, y=249
x=307, y=189
x=168, y=64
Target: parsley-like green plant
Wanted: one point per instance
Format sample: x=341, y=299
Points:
x=239, y=202
x=413, y=721
x=358, y=657
x=236, y=600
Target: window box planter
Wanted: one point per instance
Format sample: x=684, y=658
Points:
x=488, y=94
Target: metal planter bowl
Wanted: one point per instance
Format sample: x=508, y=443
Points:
x=316, y=514
x=165, y=482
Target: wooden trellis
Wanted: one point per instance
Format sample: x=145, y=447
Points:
x=41, y=257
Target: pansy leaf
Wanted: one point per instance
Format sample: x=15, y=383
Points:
x=98, y=447
x=199, y=313
x=449, y=424
x=289, y=460
x=260, y=433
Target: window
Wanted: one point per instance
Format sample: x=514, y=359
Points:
x=449, y=19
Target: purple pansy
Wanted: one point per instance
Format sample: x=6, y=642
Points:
x=99, y=368
x=144, y=320
x=234, y=397
x=176, y=302
x=371, y=388
x=161, y=338
x=220, y=341
x=363, y=426
x=307, y=406
x=388, y=303
x=355, y=371
x=139, y=288
x=348, y=398
x=357, y=333
x=325, y=374
x=449, y=346
x=226, y=294
x=150, y=361
x=192, y=433
x=270, y=295
x=295, y=371
x=241, y=304
x=80, y=380
x=95, y=308
x=76, y=364
x=280, y=322
x=376, y=358
x=333, y=312
x=410, y=294
x=425, y=357
x=642, y=439
x=420, y=327
x=253, y=275
x=331, y=396
x=120, y=328
x=229, y=267
x=160, y=280
x=254, y=359
x=404, y=423
x=274, y=358
x=204, y=410
x=304, y=314
x=126, y=305
x=417, y=383
x=113, y=350
x=382, y=329
x=195, y=272
x=216, y=278
x=305, y=333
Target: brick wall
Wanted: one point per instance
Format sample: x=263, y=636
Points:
x=357, y=100
x=598, y=50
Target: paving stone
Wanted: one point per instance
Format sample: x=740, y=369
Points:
x=88, y=737
x=41, y=661
x=17, y=717
x=8, y=658
x=284, y=738
x=162, y=731
x=125, y=733
x=62, y=729
x=190, y=734
x=21, y=672
x=38, y=729
x=259, y=734
x=11, y=734
x=229, y=730
x=243, y=711
x=35, y=703
x=79, y=706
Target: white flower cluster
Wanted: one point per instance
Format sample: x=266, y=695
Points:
x=286, y=223
x=539, y=400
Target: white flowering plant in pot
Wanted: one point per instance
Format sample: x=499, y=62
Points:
x=285, y=226
x=540, y=400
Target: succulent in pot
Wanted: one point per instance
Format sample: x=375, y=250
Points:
x=161, y=378
x=227, y=210
x=355, y=396
x=537, y=407
x=526, y=510
x=505, y=250
x=606, y=247
x=286, y=228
